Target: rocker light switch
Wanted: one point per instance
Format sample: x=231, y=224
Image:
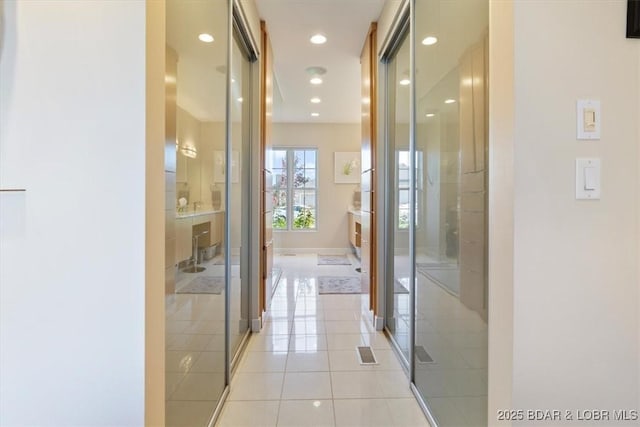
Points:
x=588, y=179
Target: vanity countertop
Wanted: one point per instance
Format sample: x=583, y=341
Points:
x=191, y=214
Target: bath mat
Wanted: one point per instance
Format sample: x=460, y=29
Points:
x=339, y=285
x=203, y=285
x=333, y=260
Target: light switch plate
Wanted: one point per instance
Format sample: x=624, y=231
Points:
x=588, y=183
x=588, y=118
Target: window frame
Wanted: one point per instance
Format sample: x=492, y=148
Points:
x=290, y=188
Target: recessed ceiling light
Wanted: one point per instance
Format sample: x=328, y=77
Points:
x=316, y=81
x=366, y=101
x=318, y=39
x=207, y=38
x=315, y=114
x=430, y=115
x=449, y=101
x=315, y=100
x=240, y=99
x=429, y=40
x=405, y=82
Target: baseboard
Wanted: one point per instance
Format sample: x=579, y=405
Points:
x=306, y=251
x=256, y=324
x=378, y=322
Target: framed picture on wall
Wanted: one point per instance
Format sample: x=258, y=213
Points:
x=633, y=19
x=346, y=167
x=220, y=169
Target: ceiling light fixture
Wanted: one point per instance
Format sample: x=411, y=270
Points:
x=429, y=40
x=240, y=99
x=315, y=114
x=430, y=114
x=366, y=101
x=315, y=100
x=405, y=82
x=318, y=39
x=206, y=38
x=315, y=81
x=449, y=101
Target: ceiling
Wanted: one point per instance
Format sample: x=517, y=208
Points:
x=290, y=24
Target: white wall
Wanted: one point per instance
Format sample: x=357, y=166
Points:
x=575, y=273
x=501, y=170
x=333, y=199
x=72, y=276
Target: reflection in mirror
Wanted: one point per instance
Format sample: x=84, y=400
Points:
x=450, y=354
x=398, y=303
x=195, y=307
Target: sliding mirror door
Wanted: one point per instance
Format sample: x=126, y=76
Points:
x=450, y=354
x=238, y=178
x=398, y=297
x=196, y=57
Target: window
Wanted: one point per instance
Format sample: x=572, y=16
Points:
x=403, y=180
x=295, y=191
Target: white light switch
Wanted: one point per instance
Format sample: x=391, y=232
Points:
x=588, y=119
x=588, y=179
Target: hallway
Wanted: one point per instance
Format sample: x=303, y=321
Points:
x=303, y=369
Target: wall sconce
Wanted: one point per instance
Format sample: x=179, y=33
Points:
x=189, y=151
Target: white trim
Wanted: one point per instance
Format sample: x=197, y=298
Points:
x=378, y=322
x=256, y=324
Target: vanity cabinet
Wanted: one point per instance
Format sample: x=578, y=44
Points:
x=183, y=238
x=211, y=221
x=354, y=229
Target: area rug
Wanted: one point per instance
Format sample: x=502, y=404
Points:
x=203, y=285
x=339, y=285
x=333, y=260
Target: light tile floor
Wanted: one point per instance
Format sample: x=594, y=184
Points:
x=302, y=368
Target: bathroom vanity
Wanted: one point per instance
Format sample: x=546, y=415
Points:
x=355, y=227
x=189, y=224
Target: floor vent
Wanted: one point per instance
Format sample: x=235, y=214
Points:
x=422, y=355
x=366, y=356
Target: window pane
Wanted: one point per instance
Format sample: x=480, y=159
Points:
x=310, y=198
x=298, y=159
x=310, y=159
x=279, y=178
x=299, y=180
x=310, y=177
x=280, y=159
x=280, y=209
